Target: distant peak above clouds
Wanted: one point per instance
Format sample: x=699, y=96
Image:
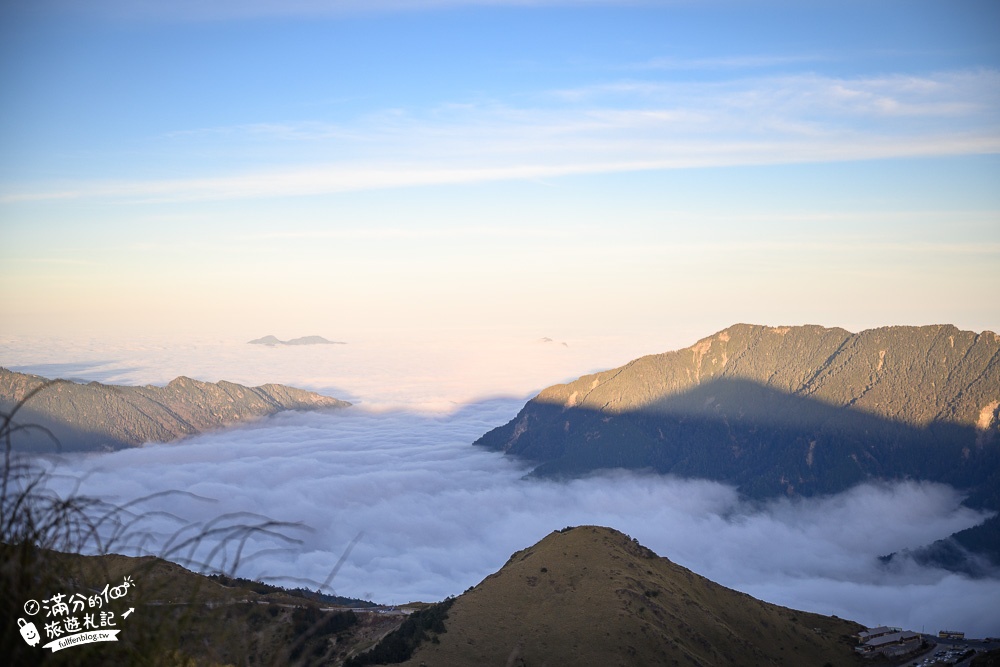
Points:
x=304, y=340
x=546, y=339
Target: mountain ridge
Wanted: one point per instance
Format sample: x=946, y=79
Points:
x=829, y=353
x=873, y=372
x=95, y=416
x=785, y=411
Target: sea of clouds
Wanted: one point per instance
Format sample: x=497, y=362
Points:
x=393, y=489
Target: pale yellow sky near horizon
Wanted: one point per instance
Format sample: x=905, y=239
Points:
x=496, y=261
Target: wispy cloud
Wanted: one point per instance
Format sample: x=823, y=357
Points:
x=55, y=260
x=410, y=233
x=941, y=94
x=726, y=62
x=607, y=128
x=194, y=10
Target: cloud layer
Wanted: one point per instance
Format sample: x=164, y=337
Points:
x=436, y=515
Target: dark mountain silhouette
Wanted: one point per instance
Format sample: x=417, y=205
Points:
x=593, y=596
x=796, y=410
x=96, y=416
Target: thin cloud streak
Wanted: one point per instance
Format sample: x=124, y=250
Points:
x=946, y=93
x=398, y=233
x=219, y=10
x=727, y=62
x=336, y=179
x=606, y=129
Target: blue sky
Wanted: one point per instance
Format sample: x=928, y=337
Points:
x=559, y=168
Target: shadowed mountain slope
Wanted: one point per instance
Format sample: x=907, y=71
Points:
x=792, y=410
x=96, y=416
x=592, y=596
x=764, y=441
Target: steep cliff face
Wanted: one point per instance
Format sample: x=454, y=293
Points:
x=781, y=410
x=95, y=416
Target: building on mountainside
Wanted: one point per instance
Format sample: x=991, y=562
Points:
x=872, y=633
x=890, y=644
x=951, y=634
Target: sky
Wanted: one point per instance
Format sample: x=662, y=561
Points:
x=564, y=169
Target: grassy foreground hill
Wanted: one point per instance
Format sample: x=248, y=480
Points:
x=581, y=596
x=593, y=596
x=179, y=618
x=97, y=416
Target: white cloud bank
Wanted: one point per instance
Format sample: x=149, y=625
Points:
x=437, y=515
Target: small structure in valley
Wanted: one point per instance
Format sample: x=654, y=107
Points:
x=887, y=641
